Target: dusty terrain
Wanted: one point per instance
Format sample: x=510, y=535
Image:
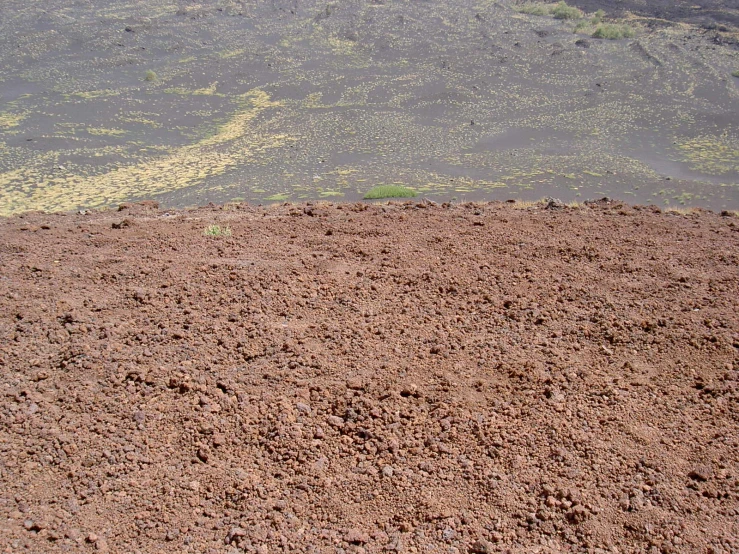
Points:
x=365, y=378
x=305, y=100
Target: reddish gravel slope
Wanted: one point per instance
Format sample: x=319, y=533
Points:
x=348, y=379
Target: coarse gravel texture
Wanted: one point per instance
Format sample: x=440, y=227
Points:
x=351, y=378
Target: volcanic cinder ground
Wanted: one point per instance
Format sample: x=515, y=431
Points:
x=353, y=378
x=286, y=100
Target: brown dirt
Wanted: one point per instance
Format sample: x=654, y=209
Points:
x=353, y=378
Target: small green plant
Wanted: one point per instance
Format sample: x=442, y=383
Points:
x=532, y=9
x=597, y=17
x=217, y=231
x=150, y=75
x=563, y=11
x=389, y=191
x=278, y=197
x=735, y=73
x=613, y=32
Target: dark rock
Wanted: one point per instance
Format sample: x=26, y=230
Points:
x=553, y=204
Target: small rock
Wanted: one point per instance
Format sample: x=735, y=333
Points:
x=701, y=473
x=553, y=204
x=355, y=536
x=481, y=547
x=235, y=533
x=303, y=408
x=577, y=514
x=335, y=421
x=122, y=225
x=354, y=383
x=388, y=471
x=101, y=545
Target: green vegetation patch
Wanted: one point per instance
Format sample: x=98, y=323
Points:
x=217, y=231
x=597, y=17
x=11, y=120
x=278, y=197
x=711, y=155
x=735, y=73
x=389, y=191
x=563, y=11
x=532, y=9
x=613, y=32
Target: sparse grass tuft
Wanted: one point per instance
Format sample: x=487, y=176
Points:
x=681, y=211
x=150, y=76
x=613, y=32
x=532, y=9
x=735, y=73
x=217, y=231
x=278, y=197
x=563, y=11
x=526, y=204
x=389, y=191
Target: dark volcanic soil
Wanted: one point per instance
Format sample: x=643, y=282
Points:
x=466, y=100
x=705, y=13
x=353, y=378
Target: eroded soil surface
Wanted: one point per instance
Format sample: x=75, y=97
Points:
x=367, y=378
